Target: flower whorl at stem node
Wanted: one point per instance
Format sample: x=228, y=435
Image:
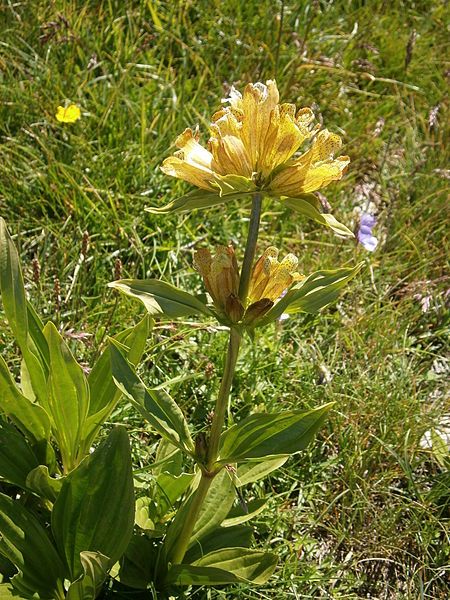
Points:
x=253, y=146
x=270, y=278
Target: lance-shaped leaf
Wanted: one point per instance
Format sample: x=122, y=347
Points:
x=104, y=394
x=193, y=200
x=26, y=544
x=15, y=307
x=312, y=294
x=263, y=435
x=68, y=397
x=231, y=565
x=161, y=298
x=216, y=506
x=156, y=406
x=17, y=458
x=30, y=418
x=94, y=511
x=241, y=514
x=236, y=536
x=251, y=472
x=95, y=569
x=309, y=205
x=11, y=286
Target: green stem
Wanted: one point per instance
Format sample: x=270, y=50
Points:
x=250, y=248
x=224, y=391
x=222, y=398
x=190, y=520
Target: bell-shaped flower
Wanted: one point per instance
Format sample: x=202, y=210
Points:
x=253, y=146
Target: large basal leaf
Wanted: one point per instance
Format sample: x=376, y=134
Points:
x=216, y=506
x=11, y=286
x=30, y=418
x=17, y=459
x=157, y=407
x=26, y=544
x=138, y=564
x=262, y=435
x=94, y=511
x=193, y=200
x=15, y=307
x=309, y=205
x=230, y=565
x=68, y=397
x=95, y=569
x=104, y=395
x=312, y=294
x=161, y=298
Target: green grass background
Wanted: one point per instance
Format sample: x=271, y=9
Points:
x=363, y=513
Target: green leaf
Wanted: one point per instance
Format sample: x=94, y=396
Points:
x=161, y=298
x=230, y=565
x=312, y=294
x=68, y=397
x=157, y=407
x=39, y=481
x=222, y=537
x=17, y=459
x=95, y=568
x=265, y=435
x=11, y=286
x=138, y=564
x=36, y=331
x=308, y=205
x=6, y=593
x=238, y=515
x=251, y=472
x=30, y=418
x=15, y=307
x=25, y=542
x=94, y=510
x=216, y=506
x=104, y=394
x=193, y=200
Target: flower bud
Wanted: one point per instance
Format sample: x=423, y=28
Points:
x=257, y=310
x=234, y=309
x=221, y=276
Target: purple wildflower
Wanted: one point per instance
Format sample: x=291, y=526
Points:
x=365, y=237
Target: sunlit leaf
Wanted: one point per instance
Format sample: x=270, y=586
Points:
x=161, y=298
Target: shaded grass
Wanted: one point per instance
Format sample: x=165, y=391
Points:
x=353, y=516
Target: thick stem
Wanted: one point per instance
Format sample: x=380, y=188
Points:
x=190, y=520
x=250, y=248
x=222, y=398
x=224, y=391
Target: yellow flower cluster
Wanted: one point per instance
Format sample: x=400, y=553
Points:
x=256, y=138
x=269, y=279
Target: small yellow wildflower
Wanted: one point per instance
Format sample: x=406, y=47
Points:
x=253, y=145
x=68, y=114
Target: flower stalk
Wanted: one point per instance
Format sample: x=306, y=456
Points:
x=234, y=342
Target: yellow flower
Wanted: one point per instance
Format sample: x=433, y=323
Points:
x=252, y=146
x=221, y=276
x=69, y=114
x=269, y=279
